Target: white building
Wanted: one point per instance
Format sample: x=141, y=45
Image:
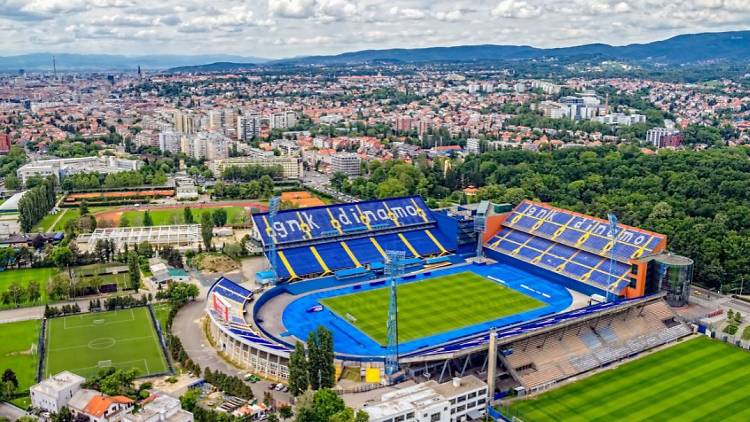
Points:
x=248, y=126
x=55, y=392
x=208, y=145
x=345, y=162
x=472, y=146
x=169, y=142
x=282, y=120
x=63, y=166
x=163, y=408
x=458, y=400
x=185, y=188
x=291, y=167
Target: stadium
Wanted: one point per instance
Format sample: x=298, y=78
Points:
x=555, y=293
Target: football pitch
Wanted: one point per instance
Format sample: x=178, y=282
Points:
x=431, y=306
x=84, y=344
x=698, y=380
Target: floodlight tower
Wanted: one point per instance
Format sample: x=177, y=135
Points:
x=480, y=222
x=394, y=268
x=612, y=234
x=273, y=209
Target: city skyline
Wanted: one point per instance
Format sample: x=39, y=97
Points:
x=287, y=28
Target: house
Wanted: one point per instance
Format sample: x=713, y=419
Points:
x=55, y=392
x=99, y=407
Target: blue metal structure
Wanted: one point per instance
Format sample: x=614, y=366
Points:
x=273, y=209
x=393, y=270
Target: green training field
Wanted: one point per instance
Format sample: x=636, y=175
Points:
x=86, y=343
x=24, y=277
x=165, y=217
x=431, y=306
x=698, y=380
x=18, y=351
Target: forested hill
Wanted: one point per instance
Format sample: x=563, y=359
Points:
x=701, y=200
x=682, y=49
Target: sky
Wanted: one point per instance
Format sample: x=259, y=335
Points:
x=288, y=28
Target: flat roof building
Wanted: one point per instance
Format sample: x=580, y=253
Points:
x=55, y=392
x=60, y=167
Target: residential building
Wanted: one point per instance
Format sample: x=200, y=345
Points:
x=160, y=408
x=4, y=143
x=185, y=188
x=621, y=119
x=345, y=162
x=472, y=146
x=283, y=120
x=99, y=407
x=291, y=167
x=662, y=137
x=184, y=122
x=458, y=400
x=169, y=142
x=55, y=392
x=248, y=126
x=60, y=167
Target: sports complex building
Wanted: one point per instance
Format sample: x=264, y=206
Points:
x=553, y=293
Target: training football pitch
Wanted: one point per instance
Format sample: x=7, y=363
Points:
x=431, y=306
x=84, y=344
x=698, y=380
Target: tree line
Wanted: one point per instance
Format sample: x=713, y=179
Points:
x=36, y=203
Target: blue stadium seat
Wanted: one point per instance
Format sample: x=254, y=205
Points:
x=364, y=250
x=334, y=256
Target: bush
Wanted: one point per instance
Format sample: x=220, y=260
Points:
x=731, y=329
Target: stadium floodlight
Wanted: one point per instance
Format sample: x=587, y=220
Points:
x=273, y=209
x=394, y=268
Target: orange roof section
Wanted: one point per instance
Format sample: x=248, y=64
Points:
x=99, y=404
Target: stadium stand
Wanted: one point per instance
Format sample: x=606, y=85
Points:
x=573, y=245
x=320, y=241
x=541, y=360
x=228, y=300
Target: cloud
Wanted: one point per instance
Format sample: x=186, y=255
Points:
x=516, y=9
x=293, y=9
x=406, y=13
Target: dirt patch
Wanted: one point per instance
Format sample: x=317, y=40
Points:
x=216, y=263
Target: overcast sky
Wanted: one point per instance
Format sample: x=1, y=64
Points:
x=284, y=28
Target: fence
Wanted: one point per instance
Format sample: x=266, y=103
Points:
x=162, y=340
x=41, y=351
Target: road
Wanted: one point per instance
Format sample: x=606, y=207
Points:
x=187, y=327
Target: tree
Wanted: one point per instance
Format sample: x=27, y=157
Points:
x=9, y=375
x=207, y=229
x=16, y=292
x=325, y=349
x=219, y=217
x=326, y=403
x=188, y=215
x=313, y=362
x=124, y=221
x=285, y=411
x=59, y=286
x=134, y=270
x=84, y=207
x=147, y=221
x=8, y=389
x=62, y=256
x=189, y=400
x=33, y=290
x=298, y=375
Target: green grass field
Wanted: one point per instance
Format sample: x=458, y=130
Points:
x=18, y=352
x=86, y=343
x=431, y=306
x=24, y=277
x=161, y=310
x=176, y=215
x=698, y=380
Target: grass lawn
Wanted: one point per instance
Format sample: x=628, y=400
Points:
x=122, y=279
x=176, y=215
x=86, y=343
x=698, y=380
x=24, y=276
x=161, y=311
x=16, y=353
x=431, y=306
x=65, y=215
